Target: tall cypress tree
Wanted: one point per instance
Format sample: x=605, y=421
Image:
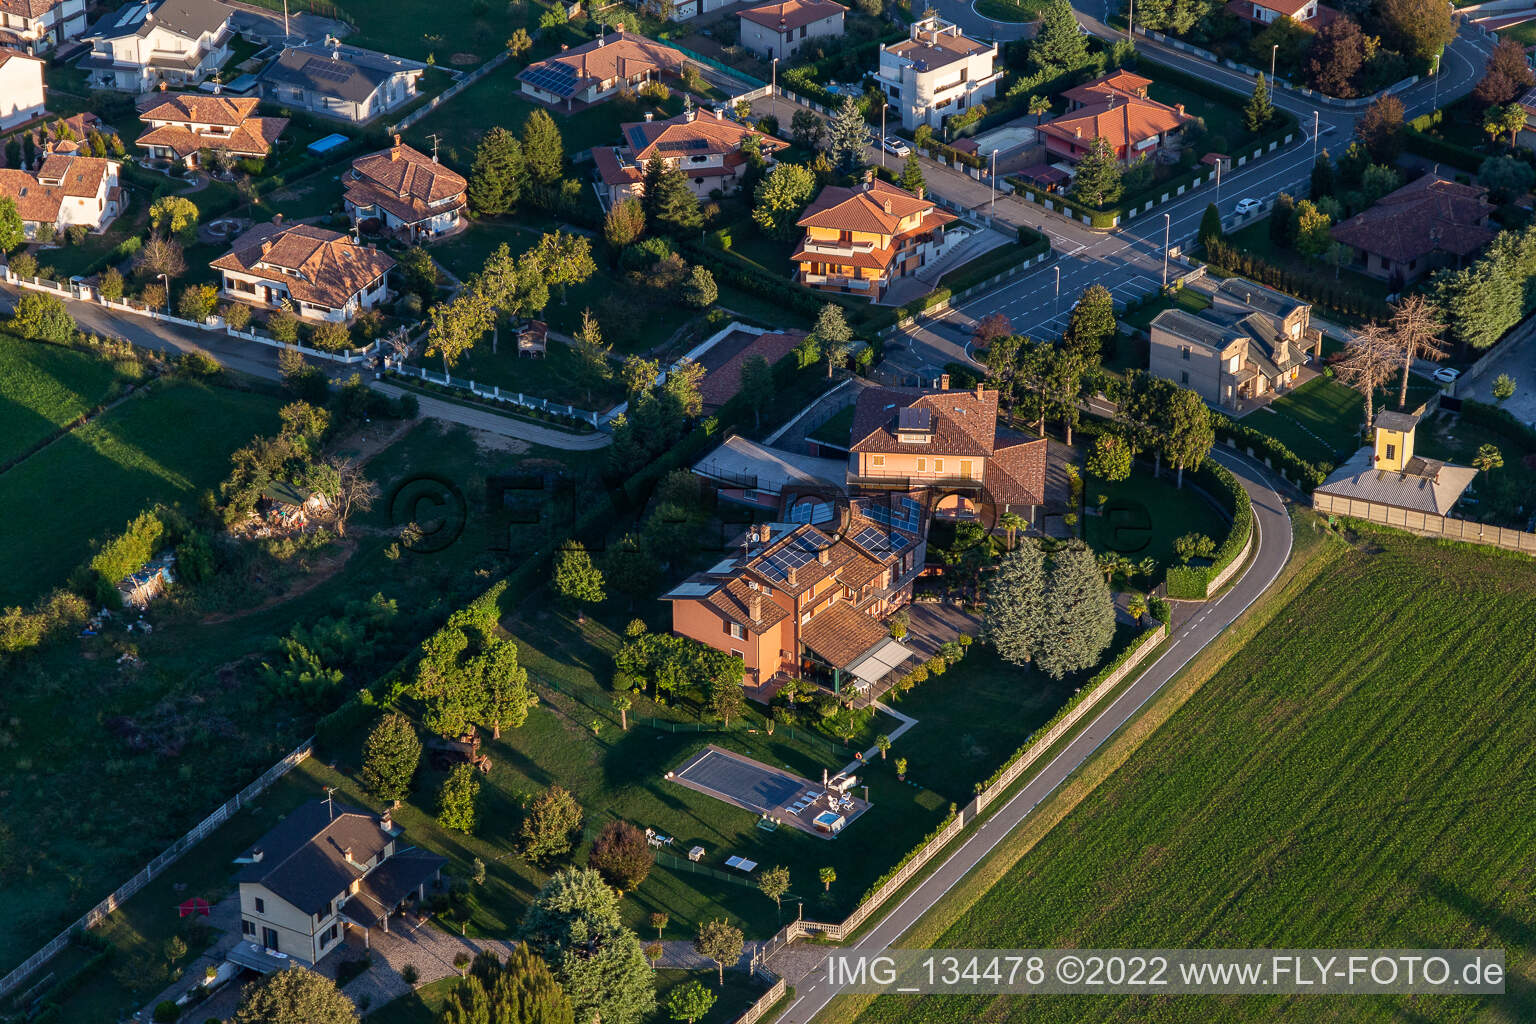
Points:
x=1210, y=226
x=543, y=149
x=1079, y=619
x=1016, y=604
x=1259, y=111
x=497, y=176
x=672, y=203
x=1097, y=179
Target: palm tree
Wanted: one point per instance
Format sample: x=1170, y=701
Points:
x=1013, y=523
x=1039, y=106
x=1137, y=606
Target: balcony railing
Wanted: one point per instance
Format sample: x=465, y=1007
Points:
x=839, y=249
x=836, y=281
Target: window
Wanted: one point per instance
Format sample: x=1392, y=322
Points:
x=261, y=905
x=735, y=653
x=1391, y=452
x=922, y=465
x=965, y=468
x=938, y=465
x=247, y=927
x=736, y=631
x=805, y=616
x=1184, y=377
x=877, y=461
x=802, y=31
x=1184, y=352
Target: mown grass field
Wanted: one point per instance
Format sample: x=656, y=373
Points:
x=1355, y=775
x=44, y=387
x=164, y=446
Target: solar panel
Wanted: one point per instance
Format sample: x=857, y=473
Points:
x=636, y=138
x=319, y=67
x=879, y=541
x=814, y=512
x=552, y=77
x=901, y=512
x=915, y=418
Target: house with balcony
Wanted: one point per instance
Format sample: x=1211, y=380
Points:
x=936, y=72
x=21, y=88
x=1309, y=14
x=66, y=189
x=323, y=873
x=406, y=191
x=1427, y=224
x=858, y=240
x=707, y=148
x=184, y=126
x=576, y=78
x=1252, y=342
x=775, y=31
x=37, y=26
x=146, y=43
x=1118, y=109
x=323, y=275
x=338, y=81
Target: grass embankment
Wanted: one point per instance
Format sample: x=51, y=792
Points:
x=45, y=387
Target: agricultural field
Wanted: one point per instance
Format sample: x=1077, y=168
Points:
x=1343, y=780
x=45, y=387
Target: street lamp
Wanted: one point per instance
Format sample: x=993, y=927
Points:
x=992, y=202
x=1273, y=52
x=1058, y=288
x=1435, y=103
x=882, y=132
x=1314, y=136
x=773, y=80
x=167, y=293
x=1219, y=161
x=1167, y=224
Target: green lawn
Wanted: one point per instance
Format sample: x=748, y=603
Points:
x=452, y=27
x=1341, y=781
x=1222, y=120
x=836, y=430
x=1010, y=10
x=1322, y=420
x=1143, y=516
x=89, y=483
x=43, y=387
x=93, y=255
x=1504, y=495
x=1255, y=239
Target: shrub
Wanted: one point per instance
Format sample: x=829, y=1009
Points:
x=24, y=265
x=1192, y=582
x=165, y=1010
x=237, y=315
x=329, y=336
x=197, y=363
x=409, y=974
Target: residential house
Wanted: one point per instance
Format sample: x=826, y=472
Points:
x=65, y=190
x=706, y=147
x=340, y=81
x=776, y=31
x=37, y=26
x=21, y=88
x=1253, y=341
x=323, y=274
x=681, y=10
x=798, y=600
x=183, y=126
x=323, y=870
x=768, y=480
x=1306, y=13
x=1428, y=223
x=1386, y=482
x=146, y=42
x=1117, y=108
x=595, y=71
x=858, y=240
x=723, y=362
x=407, y=191
x=946, y=444
x=937, y=72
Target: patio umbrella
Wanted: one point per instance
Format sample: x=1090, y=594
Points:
x=195, y=905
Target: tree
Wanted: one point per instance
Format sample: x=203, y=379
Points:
x=1322, y=176
x=549, y=827
x=1312, y=229
x=576, y=578
x=591, y=352
x=574, y=923
x=727, y=700
x=781, y=197
x=624, y=224
x=806, y=129
x=700, y=291
x=197, y=302
x=519, y=43
x=1259, y=111
x=689, y=1003
x=1079, y=615
x=42, y=317
x=521, y=991
x=669, y=201
x=159, y=255
x=1091, y=323
x=1110, y=459
x=1507, y=75
x=883, y=744
x=1381, y=129
x=456, y=801
x=1488, y=458
x=827, y=876
x=659, y=922
x=1097, y=181
x=1368, y=362
x=719, y=941
x=623, y=855
x=12, y=230
x=504, y=684
x=175, y=949
x=757, y=387
x=1187, y=432
x=989, y=329
x=498, y=174
x=1508, y=120
x=1060, y=45
x=455, y=326
x=847, y=135
x=1415, y=331
x=1505, y=177
x=1193, y=545
x=912, y=175
x=543, y=149
x=173, y=215
x=1210, y=226
x=833, y=334
x=774, y=883
x=390, y=756
x=1336, y=56
x=1016, y=604
x=1039, y=106
x=563, y=259
x=295, y=996
x=1419, y=28
x=1503, y=388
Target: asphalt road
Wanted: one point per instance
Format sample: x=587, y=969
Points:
x=1274, y=548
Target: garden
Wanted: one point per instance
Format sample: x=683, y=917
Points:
x=1503, y=449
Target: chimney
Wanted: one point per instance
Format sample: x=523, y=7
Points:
x=257, y=854
x=755, y=606
x=277, y=219
x=266, y=246
x=346, y=851
x=1077, y=132
x=791, y=575
x=386, y=820
x=564, y=47
x=943, y=382
x=979, y=391
x=1180, y=108
x=719, y=113
x=394, y=152
x=649, y=115
x=823, y=556
x=886, y=205
x=920, y=192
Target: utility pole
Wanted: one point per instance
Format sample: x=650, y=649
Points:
x=882, y=133
x=1058, y=288
x=992, y=203
x=1314, y=137
x=1130, y=21
x=773, y=80
x=285, y=22
x=1219, y=161
x=1167, y=225
x=1435, y=104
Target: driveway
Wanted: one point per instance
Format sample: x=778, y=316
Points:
x=1520, y=363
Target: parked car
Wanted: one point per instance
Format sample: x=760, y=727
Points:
x=1250, y=205
x=896, y=147
x=1447, y=374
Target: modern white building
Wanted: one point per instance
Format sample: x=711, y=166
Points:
x=322, y=274
x=64, y=191
x=37, y=26
x=144, y=43
x=777, y=30
x=937, y=72
x=183, y=126
x=21, y=88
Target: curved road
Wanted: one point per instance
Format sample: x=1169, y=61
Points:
x=1273, y=550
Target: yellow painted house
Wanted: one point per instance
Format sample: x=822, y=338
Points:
x=858, y=240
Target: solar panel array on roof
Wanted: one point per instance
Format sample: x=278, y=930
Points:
x=683, y=144
x=133, y=16
x=636, y=137
x=692, y=590
x=814, y=512
x=317, y=67
x=553, y=77
x=900, y=512
x=796, y=553
x=873, y=538
x=915, y=418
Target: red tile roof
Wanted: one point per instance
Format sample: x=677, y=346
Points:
x=1118, y=83
x=877, y=207
x=1123, y=120
x=721, y=383
x=405, y=182
x=327, y=268
x=1424, y=216
x=792, y=14
x=964, y=422
x=613, y=55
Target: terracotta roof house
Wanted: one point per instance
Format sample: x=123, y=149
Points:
x=595, y=71
x=37, y=26
x=21, y=88
x=777, y=30
x=339, y=81
x=184, y=125
x=147, y=42
x=65, y=190
x=800, y=600
x=407, y=191
x=706, y=147
x=858, y=240
x=1116, y=108
x=936, y=72
x=947, y=444
x=1385, y=482
x=722, y=377
x=1426, y=224
x=323, y=274
x=1307, y=13
x=324, y=870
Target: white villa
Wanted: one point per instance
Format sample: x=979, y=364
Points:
x=21, y=88
x=146, y=42
x=936, y=72
x=65, y=190
x=37, y=26
x=323, y=274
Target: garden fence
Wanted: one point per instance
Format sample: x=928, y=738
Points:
x=153, y=869
x=452, y=91
x=494, y=392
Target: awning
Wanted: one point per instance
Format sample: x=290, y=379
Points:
x=258, y=958
x=873, y=665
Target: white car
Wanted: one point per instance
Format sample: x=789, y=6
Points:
x=896, y=147
x=1447, y=374
x=1245, y=206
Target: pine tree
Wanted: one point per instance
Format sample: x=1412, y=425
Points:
x=543, y=149
x=1016, y=604
x=1091, y=323
x=1097, y=180
x=1060, y=45
x=912, y=175
x=847, y=135
x=576, y=578
x=574, y=923
x=1210, y=227
x=670, y=203
x=1079, y=619
x=497, y=176
x=390, y=756
x=1259, y=111
x=1322, y=176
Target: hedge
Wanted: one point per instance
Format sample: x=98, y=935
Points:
x=1306, y=474
x=1501, y=420
x=1418, y=141
x=1192, y=582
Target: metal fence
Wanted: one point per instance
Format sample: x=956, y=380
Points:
x=493, y=391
